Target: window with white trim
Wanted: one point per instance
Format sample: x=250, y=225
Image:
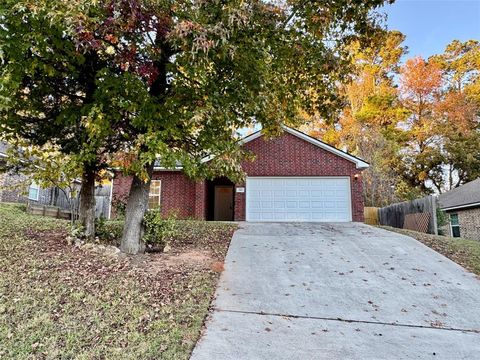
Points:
x=34, y=192
x=455, y=225
x=155, y=194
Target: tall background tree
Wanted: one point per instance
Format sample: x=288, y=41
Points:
x=444, y=124
x=367, y=124
x=417, y=123
x=420, y=91
x=459, y=111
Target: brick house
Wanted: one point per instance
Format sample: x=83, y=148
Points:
x=462, y=206
x=294, y=177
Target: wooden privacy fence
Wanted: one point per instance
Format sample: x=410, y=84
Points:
x=371, y=215
x=417, y=222
x=45, y=210
x=419, y=215
x=102, y=206
x=59, y=204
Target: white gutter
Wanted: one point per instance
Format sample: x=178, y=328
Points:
x=461, y=206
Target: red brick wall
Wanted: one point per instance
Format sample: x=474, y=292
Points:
x=121, y=188
x=239, y=206
x=289, y=155
x=177, y=193
x=200, y=200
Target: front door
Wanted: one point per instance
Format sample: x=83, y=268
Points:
x=223, y=210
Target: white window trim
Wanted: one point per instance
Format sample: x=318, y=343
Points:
x=35, y=186
x=159, y=192
x=451, y=226
x=110, y=199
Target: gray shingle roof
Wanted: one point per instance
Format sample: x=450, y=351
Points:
x=462, y=196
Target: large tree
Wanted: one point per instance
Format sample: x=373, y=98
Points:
x=459, y=112
x=368, y=121
x=173, y=80
x=443, y=130
x=420, y=137
x=227, y=65
x=420, y=91
x=49, y=89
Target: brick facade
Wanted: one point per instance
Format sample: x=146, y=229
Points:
x=287, y=155
x=469, y=221
x=240, y=205
x=178, y=192
x=200, y=200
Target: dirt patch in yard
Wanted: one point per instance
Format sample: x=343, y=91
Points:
x=191, y=259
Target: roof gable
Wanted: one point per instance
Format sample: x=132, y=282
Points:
x=359, y=163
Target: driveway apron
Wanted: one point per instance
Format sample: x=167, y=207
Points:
x=339, y=291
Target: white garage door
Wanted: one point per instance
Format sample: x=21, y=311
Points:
x=298, y=199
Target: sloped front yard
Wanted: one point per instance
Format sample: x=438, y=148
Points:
x=63, y=301
x=464, y=252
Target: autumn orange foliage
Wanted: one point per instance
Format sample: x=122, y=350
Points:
x=420, y=78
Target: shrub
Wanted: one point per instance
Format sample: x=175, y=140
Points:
x=108, y=230
x=76, y=233
x=158, y=231
x=442, y=220
x=119, y=205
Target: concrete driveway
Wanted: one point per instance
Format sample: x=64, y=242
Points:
x=340, y=291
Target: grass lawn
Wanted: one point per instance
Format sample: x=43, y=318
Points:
x=464, y=252
x=63, y=301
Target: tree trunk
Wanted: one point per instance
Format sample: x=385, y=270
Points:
x=87, y=204
x=137, y=205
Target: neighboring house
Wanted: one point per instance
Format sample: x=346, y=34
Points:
x=462, y=206
x=19, y=188
x=294, y=178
